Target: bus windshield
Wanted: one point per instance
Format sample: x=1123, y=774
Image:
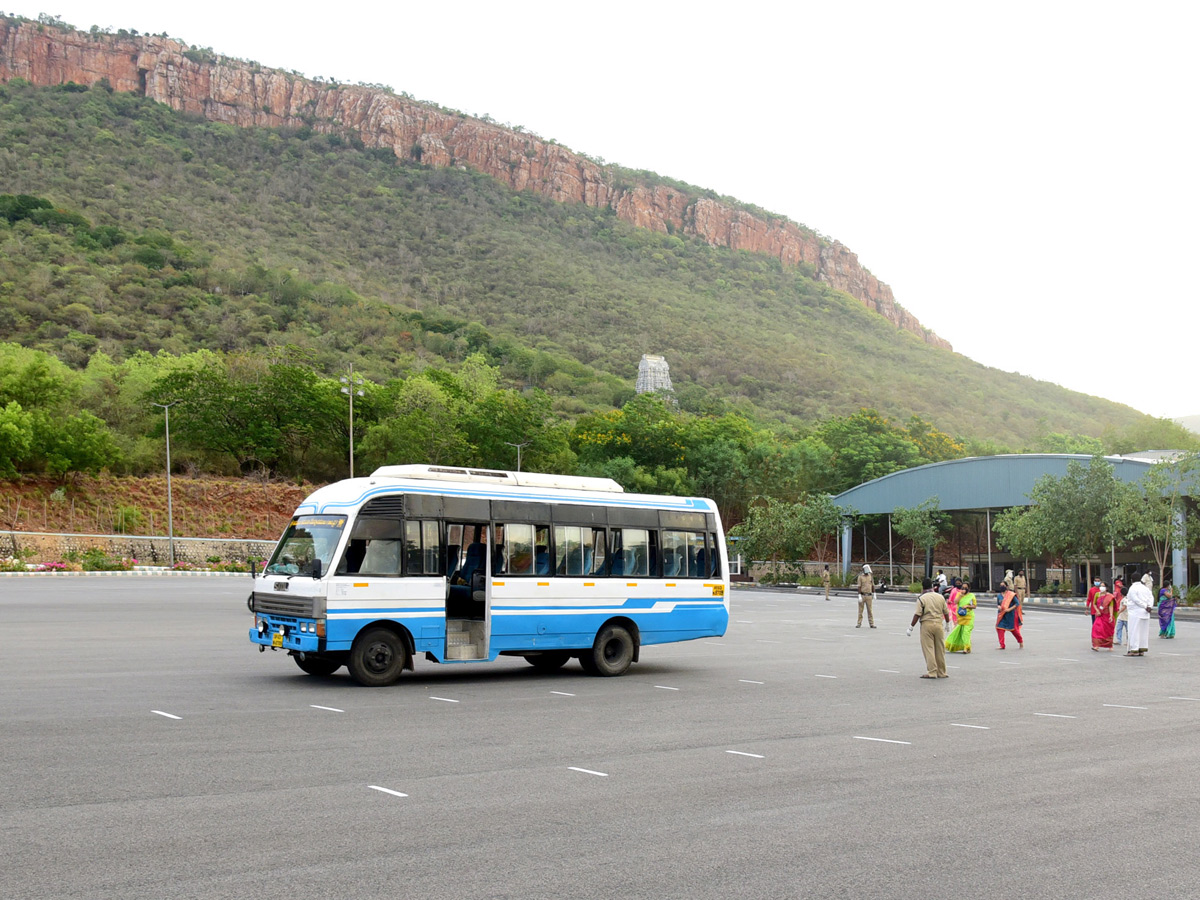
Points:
x=307, y=538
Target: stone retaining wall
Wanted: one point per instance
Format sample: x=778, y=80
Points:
x=146, y=549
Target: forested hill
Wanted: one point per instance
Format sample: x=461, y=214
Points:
x=244, y=238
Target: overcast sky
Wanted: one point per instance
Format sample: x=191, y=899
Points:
x=1023, y=174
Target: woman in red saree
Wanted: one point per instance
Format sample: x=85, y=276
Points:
x=1103, y=607
x=1008, y=616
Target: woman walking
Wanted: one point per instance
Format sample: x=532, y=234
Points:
x=1104, y=618
x=1166, y=612
x=952, y=600
x=959, y=640
x=1008, y=616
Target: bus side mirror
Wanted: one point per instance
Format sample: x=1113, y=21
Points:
x=317, y=568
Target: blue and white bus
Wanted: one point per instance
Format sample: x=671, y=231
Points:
x=465, y=565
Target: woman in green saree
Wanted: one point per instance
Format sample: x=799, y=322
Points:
x=959, y=640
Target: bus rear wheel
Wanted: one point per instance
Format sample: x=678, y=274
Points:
x=611, y=654
x=377, y=657
x=549, y=661
x=317, y=665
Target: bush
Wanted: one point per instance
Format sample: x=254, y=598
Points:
x=96, y=560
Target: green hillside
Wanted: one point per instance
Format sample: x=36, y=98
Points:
x=201, y=235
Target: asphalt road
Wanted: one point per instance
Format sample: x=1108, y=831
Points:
x=147, y=750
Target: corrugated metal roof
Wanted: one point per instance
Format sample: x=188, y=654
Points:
x=979, y=482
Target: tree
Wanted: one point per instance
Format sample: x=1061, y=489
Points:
x=1069, y=518
x=1152, y=508
x=16, y=437
x=922, y=525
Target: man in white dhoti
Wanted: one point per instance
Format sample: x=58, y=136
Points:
x=1139, y=601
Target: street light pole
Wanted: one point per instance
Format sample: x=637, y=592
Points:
x=353, y=386
x=166, y=408
x=519, y=446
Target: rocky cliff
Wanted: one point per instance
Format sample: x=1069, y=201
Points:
x=246, y=94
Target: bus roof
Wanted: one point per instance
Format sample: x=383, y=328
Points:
x=494, y=476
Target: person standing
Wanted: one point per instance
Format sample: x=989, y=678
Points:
x=825, y=580
x=866, y=596
x=1092, y=591
x=941, y=583
x=959, y=640
x=1166, y=612
x=1020, y=586
x=932, y=614
x=1102, y=607
x=1139, y=601
x=1008, y=616
x=1122, y=635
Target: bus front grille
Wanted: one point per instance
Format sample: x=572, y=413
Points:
x=282, y=605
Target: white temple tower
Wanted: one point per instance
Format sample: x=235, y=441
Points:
x=653, y=375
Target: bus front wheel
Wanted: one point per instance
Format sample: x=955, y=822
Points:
x=377, y=657
x=317, y=665
x=611, y=654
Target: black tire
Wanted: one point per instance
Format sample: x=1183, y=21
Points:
x=377, y=657
x=550, y=661
x=611, y=654
x=317, y=665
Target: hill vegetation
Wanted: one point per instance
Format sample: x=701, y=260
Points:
x=147, y=257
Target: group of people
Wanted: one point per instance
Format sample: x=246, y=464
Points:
x=935, y=610
x=1117, y=615
x=950, y=601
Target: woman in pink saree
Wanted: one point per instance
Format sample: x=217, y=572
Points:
x=1103, y=607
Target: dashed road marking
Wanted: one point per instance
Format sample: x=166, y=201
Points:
x=891, y=671
x=961, y=725
x=751, y=755
x=384, y=790
x=748, y=681
x=159, y=712
x=443, y=699
x=588, y=772
x=663, y=687
x=1055, y=716
x=1197, y=699
x=562, y=693
x=327, y=708
x=881, y=740
x=1118, y=706
x=825, y=676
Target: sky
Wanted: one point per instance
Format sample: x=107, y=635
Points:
x=1022, y=174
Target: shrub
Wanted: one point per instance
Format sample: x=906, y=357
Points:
x=96, y=560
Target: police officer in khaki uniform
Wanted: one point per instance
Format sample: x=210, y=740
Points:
x=866, y=594
x=1020, y=586
x=932, y=613
x=825, y=580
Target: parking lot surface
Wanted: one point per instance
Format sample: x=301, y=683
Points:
x=147, y=750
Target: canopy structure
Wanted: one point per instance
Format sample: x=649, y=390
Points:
x=980, y=484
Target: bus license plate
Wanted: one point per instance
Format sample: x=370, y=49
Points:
x=277, y=640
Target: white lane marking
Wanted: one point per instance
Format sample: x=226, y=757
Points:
x=1005, y=662
x=891, y=671
x=562, y=693
x=744, y=622
x=1169, y=653
x=588, y=771
x=443, y=699
x=961, y=725
x=880, y=740
x=1197, y=699
x=959, y=667
x=663, y=687
x=159, y=712
x=327, y=708
x=761, y=641
x=376, y=787
x=751, y=755
x=1054, y=716
x=825, y=676
x=1066, y=659
x=748, y=681
x=1118, y=706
